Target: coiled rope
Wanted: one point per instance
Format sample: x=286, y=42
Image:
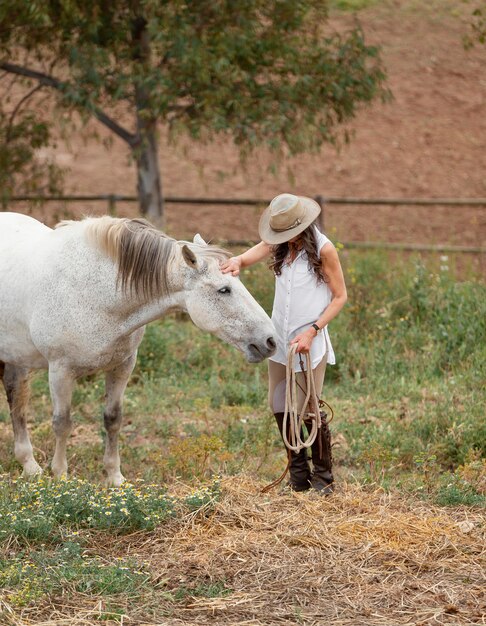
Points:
x=294, y=441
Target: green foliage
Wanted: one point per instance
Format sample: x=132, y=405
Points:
x=419, y=322
x=191, y=455
x=260, y=71
x=453, y=491
x=43, y=510
x=478, y=26
x=22, y=134
x=229, y=381
x=50, y=522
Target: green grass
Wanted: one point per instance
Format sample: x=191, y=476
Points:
x=352, y=5
x=409, y=384
x=432, y=9
x=30, y=576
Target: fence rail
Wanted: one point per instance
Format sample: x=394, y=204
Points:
x=112, y=199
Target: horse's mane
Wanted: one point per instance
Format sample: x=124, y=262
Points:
x=142, y=253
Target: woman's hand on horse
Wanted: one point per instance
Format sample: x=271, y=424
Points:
x=232, y=266
x=304, y=340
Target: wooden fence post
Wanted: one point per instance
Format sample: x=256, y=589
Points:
x=321, y=219
x=112, y=205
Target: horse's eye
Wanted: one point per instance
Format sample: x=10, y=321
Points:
x=224, y=290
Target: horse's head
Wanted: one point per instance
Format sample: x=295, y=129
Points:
x=220, y=304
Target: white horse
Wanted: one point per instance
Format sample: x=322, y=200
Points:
x=76, y=299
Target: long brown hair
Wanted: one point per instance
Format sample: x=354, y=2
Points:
x=308, y=241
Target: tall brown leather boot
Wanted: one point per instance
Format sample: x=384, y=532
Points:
x=322, y=479
x=300, y=474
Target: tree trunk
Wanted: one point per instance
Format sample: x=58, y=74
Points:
x=149, y=186
x=146, y=152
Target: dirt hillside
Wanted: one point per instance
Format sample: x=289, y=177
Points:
x=429, y=141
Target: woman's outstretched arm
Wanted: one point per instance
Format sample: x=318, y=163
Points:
x=249, y=257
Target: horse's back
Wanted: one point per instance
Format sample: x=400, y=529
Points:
x=56, y=297
x=19, y=241
x=19, y=226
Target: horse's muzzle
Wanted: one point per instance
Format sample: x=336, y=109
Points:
x=258, y=351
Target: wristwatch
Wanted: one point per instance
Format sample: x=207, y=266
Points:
x=316, y=328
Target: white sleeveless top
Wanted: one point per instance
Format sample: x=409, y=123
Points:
x=299, y=301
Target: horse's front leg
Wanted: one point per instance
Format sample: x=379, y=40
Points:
x=116, y=382
x=61, y=383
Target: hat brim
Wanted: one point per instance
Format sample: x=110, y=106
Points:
x=274, y=237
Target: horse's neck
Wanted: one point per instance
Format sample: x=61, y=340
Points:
x=127, y=309
x=144, y=313
x=137, y=313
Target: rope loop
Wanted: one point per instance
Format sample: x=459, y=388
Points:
x=292, y=420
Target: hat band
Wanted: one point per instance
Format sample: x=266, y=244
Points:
x=281, y=230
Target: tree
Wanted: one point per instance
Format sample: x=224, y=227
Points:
x=263, y=72
x=477, y=26
x=22, y=134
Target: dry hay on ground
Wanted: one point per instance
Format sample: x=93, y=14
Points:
x=361, y=557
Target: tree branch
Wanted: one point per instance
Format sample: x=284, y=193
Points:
x=50, y=81
x=8, y=134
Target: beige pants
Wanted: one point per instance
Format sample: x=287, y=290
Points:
x=277, y=384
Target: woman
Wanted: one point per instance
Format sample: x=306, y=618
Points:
x=309, y=293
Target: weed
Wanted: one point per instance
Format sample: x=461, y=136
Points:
x=193, y=455
x=216, y=589
x=427, y=464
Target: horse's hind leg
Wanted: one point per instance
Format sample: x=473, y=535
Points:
x=61, y=383
x=116, y=382
x=16, y=383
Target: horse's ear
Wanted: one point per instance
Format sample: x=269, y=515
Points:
x=189, y=256
x=199, y=240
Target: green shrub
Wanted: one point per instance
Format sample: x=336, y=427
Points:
x=453, y=491
x=43, y=510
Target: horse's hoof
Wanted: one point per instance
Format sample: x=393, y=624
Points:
x=116, y=480
x=32, y=468
x=59, y=474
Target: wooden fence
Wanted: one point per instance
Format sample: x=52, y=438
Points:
x=112, y=200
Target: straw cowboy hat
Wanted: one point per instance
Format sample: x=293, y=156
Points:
x=286, y=217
